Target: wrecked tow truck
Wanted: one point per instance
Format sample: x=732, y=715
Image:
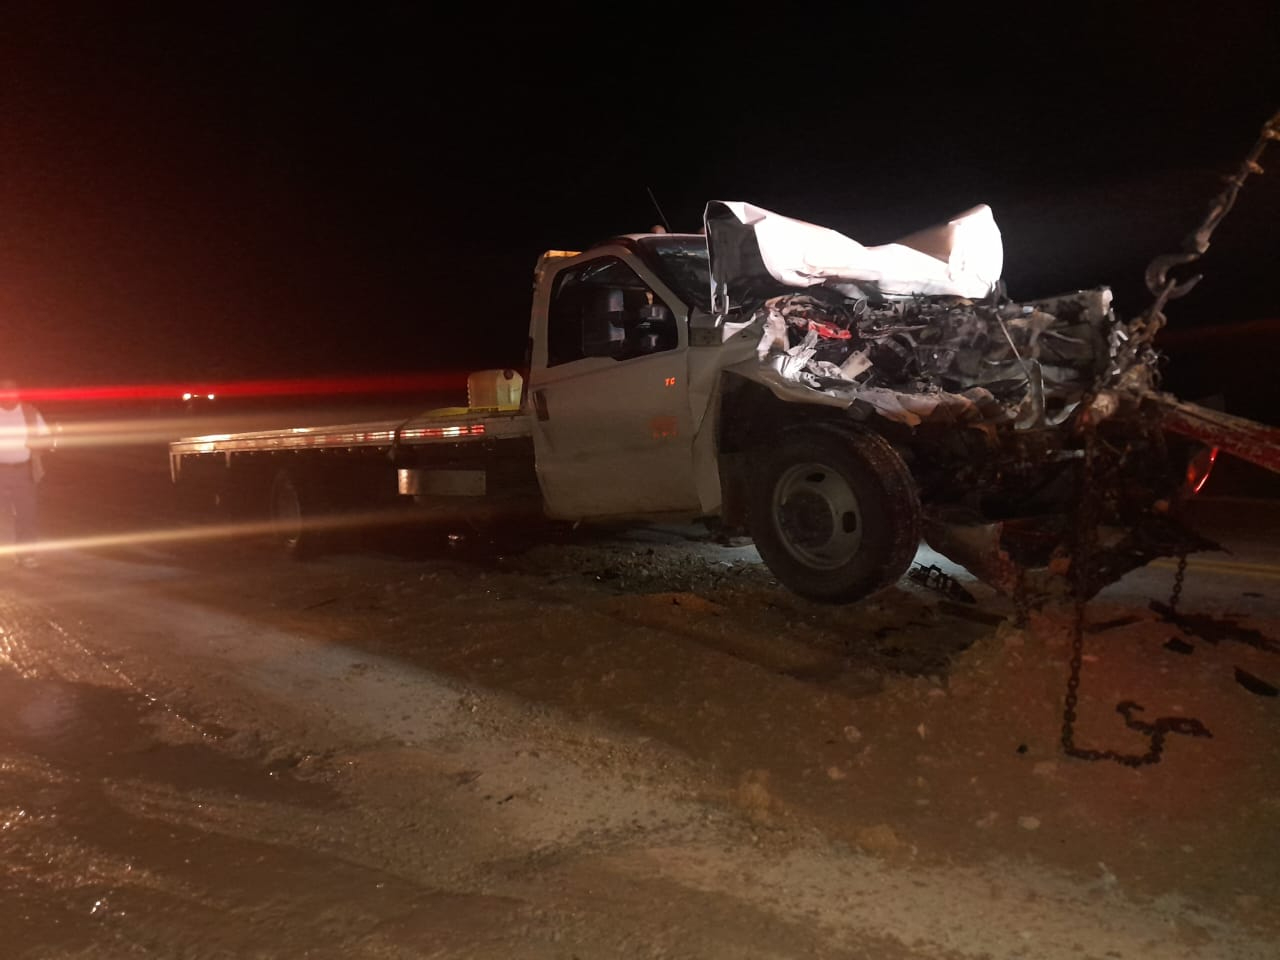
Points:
x=1041, y=453
x=836, y=402
x=1025, y=427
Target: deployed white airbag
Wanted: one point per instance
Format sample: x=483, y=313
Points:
x=961, y=258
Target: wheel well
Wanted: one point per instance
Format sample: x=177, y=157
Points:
x=752, y=416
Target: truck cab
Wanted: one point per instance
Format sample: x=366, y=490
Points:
x=620, y=375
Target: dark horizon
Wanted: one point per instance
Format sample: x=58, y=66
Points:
x=234, y=194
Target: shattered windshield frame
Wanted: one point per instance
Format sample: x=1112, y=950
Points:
x=684, y=263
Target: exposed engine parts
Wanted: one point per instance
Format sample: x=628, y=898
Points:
x=949, y=358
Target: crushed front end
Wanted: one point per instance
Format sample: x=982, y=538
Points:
x=1034, y=430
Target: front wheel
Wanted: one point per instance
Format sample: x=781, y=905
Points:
x=834, y=513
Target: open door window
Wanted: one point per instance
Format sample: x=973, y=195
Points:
x=602, y=308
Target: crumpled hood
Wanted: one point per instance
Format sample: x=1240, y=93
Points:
x=918, y=330
x=753, y=251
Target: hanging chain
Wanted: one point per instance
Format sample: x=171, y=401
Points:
x=1081, y=568
x=1082, y=558
x=1176, y=594
x=1164, y=287
x=1021, y=606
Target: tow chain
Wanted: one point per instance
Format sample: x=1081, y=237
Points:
x=1164, y=288
x=1021, y=605
x=1176, y=593
x=1087, y=534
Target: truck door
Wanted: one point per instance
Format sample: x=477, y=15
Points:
x=608, y=396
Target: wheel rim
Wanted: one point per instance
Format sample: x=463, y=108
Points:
x=286, y=511
x=817, y=516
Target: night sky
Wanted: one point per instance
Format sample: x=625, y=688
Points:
x=236, y=190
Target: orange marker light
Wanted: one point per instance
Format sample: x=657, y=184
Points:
x=671, y=381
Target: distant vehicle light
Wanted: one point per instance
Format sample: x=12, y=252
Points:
x=186, y=396
x=211, y=396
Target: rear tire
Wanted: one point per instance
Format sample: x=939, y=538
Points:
x=833, y=512
x=295, y=504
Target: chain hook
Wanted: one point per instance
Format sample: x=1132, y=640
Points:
x=1164, y=287
x=1159, y=282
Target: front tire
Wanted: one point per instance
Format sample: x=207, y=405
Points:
x=834, y=513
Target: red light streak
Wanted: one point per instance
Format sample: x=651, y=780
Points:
x=289, y=387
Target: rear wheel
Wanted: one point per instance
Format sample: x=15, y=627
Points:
x=294, y=507
x=834, y=513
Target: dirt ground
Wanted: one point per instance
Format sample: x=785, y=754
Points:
x=632, y=744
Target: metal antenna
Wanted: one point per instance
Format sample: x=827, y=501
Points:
x=661, y=215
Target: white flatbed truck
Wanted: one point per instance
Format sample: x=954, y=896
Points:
x=649, y=395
